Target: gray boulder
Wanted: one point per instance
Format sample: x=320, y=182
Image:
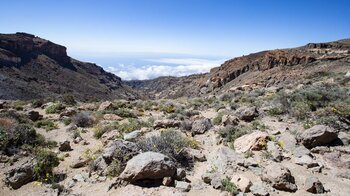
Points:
x=247, y=113
x=133, y=135
x=182, y=186
x=167, y=123
x=21, y=175
x=259, y=189
x=201, y=126
x=148, y=165
x=279, y=177
x=313, y=185
x=318, y=135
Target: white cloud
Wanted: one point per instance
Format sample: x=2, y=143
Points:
x=165, y=67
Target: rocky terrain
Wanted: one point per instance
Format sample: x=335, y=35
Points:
x=270, y=123
x=33, y=68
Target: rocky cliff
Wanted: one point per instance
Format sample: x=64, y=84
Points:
x=31, y=67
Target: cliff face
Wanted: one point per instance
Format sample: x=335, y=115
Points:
x=31, y=67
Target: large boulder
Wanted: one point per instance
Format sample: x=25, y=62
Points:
x=34, y=115
x=107, y=105
x=247, y=113
x=115, y=150
x=318, y=135
x=253, y=141
x=21, y=175
x=148, y=166
x=201, y=126
x=279, y=177
x=167, y=123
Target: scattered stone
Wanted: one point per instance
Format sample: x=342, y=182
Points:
x=72, y=127
x=306, y=160
x=64, y=146
x=110, y=135
x=318, y=135
x=167, y=181
x=301, y=151
x=79, y=162
x=180, y=174
x=112, y=117
x=132, y=136
x=201, y=126
x=279, y=177
x=287, y=141
x=253, y=141
x=197, y=155
x=344, y=138
x=21, y=175
x=107, y=105
x=242, y=183
x=275, y=151
x=148, y=165
x=34, y=115
x=247, y=113
x=167, y=123
x=79, y=178
x=68, y=112
x=229, y=120
x=77, y=140
x=259, y=189
x=183, y=186
x=313, y=185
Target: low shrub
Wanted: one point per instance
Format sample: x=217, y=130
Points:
x=68, y=99
x=168, y=108
x=276, y=111
x=46, y=161
x=171, y=143
x=37, y=103
x=227, y=185
x=125, y=113
x=230, y=134
x=54, y=108
x=218, y=118
x=83, y=119
x=300, y=110
x=46, y=124
x=18, y=105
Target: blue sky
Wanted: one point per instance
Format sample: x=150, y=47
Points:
x=133, y=33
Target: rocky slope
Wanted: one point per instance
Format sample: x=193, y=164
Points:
x=31, y=67
x=257, y=69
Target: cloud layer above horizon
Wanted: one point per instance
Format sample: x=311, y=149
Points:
x=164, y=67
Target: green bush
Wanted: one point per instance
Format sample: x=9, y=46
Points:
x=171, y=143
x=4, y=139
x=46, y=161
x=228, y=186
x=18, y=105
x=125, y=113
x=132, y=125
x=218, y=118
x=68, y=99
x=230, y=133
x=276, y=111
x=46, y=124
x=300, y=110
x=115, y=168
x=54, y=108
x=37, y=103
x=168, y=108
x=83, y=119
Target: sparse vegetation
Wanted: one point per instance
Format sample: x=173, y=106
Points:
x=227, y=185
x=230, y=134
x=83, y=119
x=46, y=124
x=54, y=108
x=46, y=161
x=171, y=143
x=218, y=118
